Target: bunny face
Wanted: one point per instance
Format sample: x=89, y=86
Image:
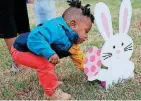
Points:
x=118, y=48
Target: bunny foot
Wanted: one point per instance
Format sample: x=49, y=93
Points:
x=103, y=84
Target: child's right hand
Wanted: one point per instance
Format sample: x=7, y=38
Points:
x=30, y=1
x=54, y=59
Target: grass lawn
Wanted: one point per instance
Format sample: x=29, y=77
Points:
x=25, y=86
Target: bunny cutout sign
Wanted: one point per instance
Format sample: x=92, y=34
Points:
x=116, y=51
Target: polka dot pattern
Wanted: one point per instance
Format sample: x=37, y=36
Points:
x=92, y=62
x=99, y=63
x=86, y=70
x=92, y=58
x=93, y=68
x=91, y=50
x=98, y=52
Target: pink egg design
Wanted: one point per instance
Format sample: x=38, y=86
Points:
x=92, y=62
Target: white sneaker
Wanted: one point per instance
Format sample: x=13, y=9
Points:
x=14, y=68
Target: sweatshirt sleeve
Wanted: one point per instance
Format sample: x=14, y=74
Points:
x=77, y=56
x=40, y=44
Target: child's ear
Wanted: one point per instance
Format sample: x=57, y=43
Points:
x=72, y=24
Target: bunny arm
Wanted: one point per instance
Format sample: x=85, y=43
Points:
x=121, y=70
x=129, y=72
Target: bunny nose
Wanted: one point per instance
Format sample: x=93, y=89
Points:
x=118, y=51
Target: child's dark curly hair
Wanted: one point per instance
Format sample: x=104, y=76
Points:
x=77, y=4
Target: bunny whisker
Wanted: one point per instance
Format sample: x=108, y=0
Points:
x=108, y=53
x=128, y=49
x=128, y=45
x=107, y=57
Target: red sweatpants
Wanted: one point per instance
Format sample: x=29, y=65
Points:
x=45, y=70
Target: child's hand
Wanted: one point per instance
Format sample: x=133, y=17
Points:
x=54, y=59
x=30, y=1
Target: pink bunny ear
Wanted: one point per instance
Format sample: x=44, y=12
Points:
x=105, y=24
x=103, y=20
x=125, y=16
x=125, y=20
x=92, y=62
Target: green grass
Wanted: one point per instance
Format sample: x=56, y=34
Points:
x=25, y=86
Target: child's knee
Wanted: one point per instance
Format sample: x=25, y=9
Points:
x=47, y=66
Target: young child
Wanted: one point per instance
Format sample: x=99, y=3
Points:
x=52, y=40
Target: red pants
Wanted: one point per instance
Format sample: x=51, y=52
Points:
x=45, y=70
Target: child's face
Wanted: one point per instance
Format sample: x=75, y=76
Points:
x=81, y=28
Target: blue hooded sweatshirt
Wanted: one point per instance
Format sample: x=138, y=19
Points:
x=51, y=37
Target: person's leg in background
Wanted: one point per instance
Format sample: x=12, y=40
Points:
x=22, y=25
x=8, y=29
x=21, y=17
x=9, y=42
x=7, y=22
x=44, y=10
x=13, y=20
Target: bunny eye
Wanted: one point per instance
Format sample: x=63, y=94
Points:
x=122, y=44
x=114, y=47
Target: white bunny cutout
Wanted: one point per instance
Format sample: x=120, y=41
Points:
x=117, y=49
